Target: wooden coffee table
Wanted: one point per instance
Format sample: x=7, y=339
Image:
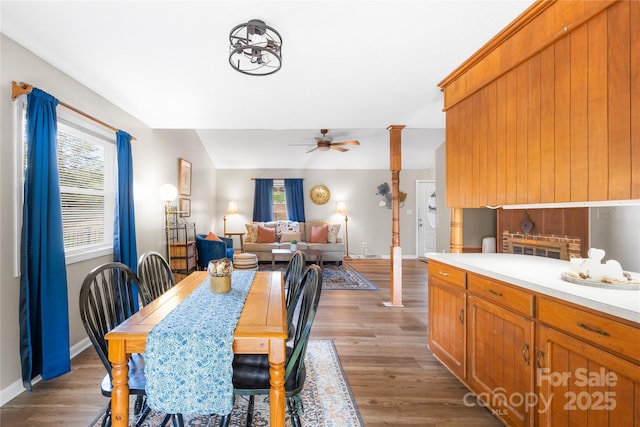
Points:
x=286, y=254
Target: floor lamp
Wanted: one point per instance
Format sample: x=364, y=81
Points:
x=341, y=209
x=168, y=193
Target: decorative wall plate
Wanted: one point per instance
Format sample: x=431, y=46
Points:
x=320, y=194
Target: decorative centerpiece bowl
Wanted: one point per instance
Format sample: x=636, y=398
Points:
x=220, y=275
x=593, y=272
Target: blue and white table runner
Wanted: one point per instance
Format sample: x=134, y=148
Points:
x=189, y=354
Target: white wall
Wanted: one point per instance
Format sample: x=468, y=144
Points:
x=155, y=162
x=367, y=222
x=476, y=224
x=616, y=229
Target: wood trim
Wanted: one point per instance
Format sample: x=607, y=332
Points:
x=534, y=30
x=499, y=39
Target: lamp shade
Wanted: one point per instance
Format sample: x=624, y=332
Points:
x=232, y=208
x=341, y=207
x=167, y=192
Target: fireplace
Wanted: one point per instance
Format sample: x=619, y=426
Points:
x=549, y=246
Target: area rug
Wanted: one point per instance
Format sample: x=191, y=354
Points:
x=327, y=400
x=334, y=277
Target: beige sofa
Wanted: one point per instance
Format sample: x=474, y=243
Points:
x=284, y=230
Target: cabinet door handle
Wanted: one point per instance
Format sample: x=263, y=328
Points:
x=525, y=350
x=442, y=273
x=590, y=329
x=540, y=356
x=461, y=316
x=491, y=291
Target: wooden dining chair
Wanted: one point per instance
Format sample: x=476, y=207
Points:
x=155, y=274
x=292, y=279
x=251, y=371
x=107, y=298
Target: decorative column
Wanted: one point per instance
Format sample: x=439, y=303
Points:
x=395, y=138
x=456, y=231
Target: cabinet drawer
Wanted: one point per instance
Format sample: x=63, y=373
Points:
x=502, y=294
x=606, y=333
x=448, y=273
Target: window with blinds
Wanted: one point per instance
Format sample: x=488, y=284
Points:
x=87, y=172
x=85, y=166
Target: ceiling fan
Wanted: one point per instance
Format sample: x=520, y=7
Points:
x=324, y=143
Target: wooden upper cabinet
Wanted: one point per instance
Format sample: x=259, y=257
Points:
x=549, y=110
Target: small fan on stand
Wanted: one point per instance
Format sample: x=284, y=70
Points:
x=324, y=143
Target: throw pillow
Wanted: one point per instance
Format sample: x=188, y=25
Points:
x=212, y=236
x=332, y=235
x=287, y=237
x=319, y=234
x=252, y=233
x=266, y=234
x=286, y=227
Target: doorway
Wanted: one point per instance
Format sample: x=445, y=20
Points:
x=427, y=224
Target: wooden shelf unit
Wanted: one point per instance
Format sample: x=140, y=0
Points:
x=181, y=247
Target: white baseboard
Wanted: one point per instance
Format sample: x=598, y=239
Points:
x=12, y=391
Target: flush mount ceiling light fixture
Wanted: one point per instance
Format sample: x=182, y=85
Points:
x=255, y=48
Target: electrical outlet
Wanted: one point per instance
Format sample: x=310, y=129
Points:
x=364, y=245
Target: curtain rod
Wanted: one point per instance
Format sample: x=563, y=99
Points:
x=253, y=179
x=22, y=88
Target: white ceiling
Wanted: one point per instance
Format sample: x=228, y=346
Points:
x=352, y=66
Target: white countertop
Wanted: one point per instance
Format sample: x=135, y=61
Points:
x=542, y=275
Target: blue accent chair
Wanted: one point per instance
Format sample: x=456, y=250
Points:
x=212, y=249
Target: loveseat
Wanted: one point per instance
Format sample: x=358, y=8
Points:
x=285, y=231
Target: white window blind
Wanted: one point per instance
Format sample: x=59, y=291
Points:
x=86, y=189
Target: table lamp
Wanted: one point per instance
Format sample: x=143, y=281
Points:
x=232, y=209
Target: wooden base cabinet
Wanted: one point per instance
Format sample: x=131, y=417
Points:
x=579, y=384
x=447, y=325
x=500, y=351
x=534, y=360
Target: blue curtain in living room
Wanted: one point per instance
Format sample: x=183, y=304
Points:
x=124, y=234
x=263, y=200
x=295, y=198
x=44, y=317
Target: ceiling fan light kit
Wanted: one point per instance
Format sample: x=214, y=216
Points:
x=324, y=143
x=255, y=48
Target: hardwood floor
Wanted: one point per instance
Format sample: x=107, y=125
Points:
x=394, y=377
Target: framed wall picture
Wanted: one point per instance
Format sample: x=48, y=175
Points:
x=184, y=177
x=185, y=207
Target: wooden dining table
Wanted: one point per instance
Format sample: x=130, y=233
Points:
x=261, y=329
